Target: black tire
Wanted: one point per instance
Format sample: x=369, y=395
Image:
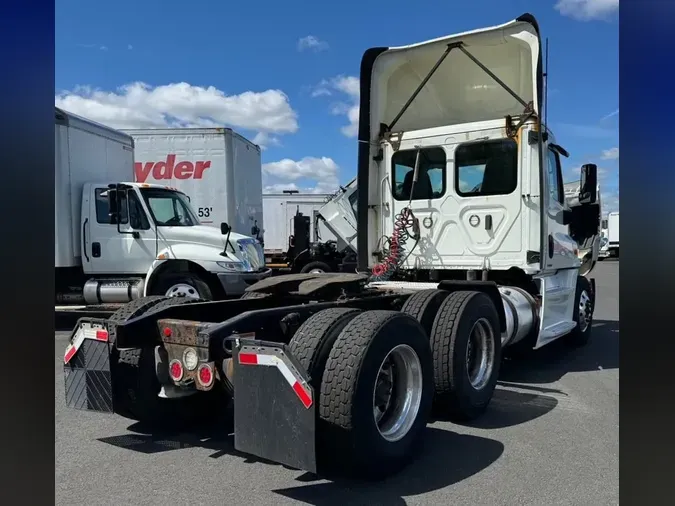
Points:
x=166, y=282
x=351, y=440
x=172, y=301
x=424, y=305
x=129, y=311
x=581, y=334
x=455, y=396
x=312, y=342
x=324, y=267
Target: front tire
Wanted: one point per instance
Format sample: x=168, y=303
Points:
x=186, y=285
x=316, y=268
x=583, y=314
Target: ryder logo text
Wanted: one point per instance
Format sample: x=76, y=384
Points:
x=169, y=169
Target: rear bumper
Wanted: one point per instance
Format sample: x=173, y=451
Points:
x=235, y=283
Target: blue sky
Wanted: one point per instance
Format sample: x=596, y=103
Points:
x=284, y=73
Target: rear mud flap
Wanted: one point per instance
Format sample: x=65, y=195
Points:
x=274, y=405
x=86, y=369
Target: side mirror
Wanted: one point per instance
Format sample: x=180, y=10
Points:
x=224, y=228
x=588, y=189
x=113, y=208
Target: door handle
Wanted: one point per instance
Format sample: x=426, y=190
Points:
x=488, y=222
x=84, y=238
x=96, y=249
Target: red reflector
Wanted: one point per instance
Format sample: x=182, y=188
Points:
x=101, y=335
x=248, y=358
x=176, y=370
x=167, y=332
x=205, y=375
x=302, y=394
x=70, y=353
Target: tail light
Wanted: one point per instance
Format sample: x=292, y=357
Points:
x=176, y=370
x=205, y=375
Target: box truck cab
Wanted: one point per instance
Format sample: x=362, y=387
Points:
x=118, y=241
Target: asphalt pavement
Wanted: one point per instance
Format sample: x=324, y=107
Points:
x=550, y=437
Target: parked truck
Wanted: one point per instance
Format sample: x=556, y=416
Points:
x=218, y=168
x=301, y=238
x=613, y=234
x=119, y=241
x=466, y=252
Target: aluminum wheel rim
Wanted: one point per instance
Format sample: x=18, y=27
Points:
x=584, y=311
x=183, y=290
x=397, y=394
x=480, y=354
x=316, y=271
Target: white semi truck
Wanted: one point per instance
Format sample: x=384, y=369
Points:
x=467, y=249
x=218, y=168
x=117, y=241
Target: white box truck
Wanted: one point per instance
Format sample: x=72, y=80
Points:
x=117, y=241
x=219, y=169
x=613, y=234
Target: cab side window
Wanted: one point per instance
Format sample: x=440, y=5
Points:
x=103, y=210
x=554, y=177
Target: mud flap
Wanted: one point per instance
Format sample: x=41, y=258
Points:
x=274, y=408
x=86, y=368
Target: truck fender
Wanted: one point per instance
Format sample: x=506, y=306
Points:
x=158, y=267
x=489, y=288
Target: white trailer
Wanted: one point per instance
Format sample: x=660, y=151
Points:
x=613, y=234
x=278, y=212
x=117, y=240
x=219, y=169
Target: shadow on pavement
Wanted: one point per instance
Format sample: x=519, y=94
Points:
x=446, y=458
x=555, y=360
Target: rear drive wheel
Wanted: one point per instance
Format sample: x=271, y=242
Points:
x=466, y=344
x=583, y=314
x=316, y=268
x=312, y=342
x=423, y=306
x=376, y=394
x=186, y=285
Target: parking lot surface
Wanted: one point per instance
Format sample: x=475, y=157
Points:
x=550, y=437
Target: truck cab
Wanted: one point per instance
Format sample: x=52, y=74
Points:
x=148, y=238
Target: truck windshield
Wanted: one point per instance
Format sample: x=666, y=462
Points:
x=169, y=208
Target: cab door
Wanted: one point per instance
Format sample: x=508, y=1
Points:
x=107, y=248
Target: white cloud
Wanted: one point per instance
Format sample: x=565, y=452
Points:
x=349, y=87
x=609, y=202
x=610, y=154
x=139, y=105
x=312, y=43
x=587, y=10
x=610, y=115
x=265, y=140
x=130, y=47
x=286, y=175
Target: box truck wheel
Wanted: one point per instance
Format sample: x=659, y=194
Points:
x=423, y=306
x=466, y=345
x=187, y=285
x=376, y=395
x=583, y=314
x=316, y=268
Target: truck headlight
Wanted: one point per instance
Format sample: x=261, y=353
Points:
x=232, y=266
